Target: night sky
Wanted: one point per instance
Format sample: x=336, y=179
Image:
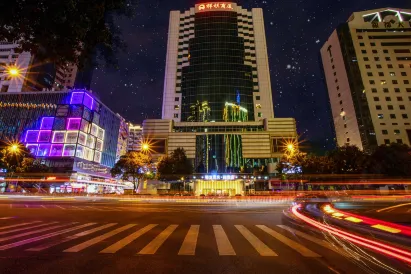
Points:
x=295, y=30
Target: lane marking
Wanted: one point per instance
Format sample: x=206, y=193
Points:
x=79, y=208
x=11, y=226
x=261, y=247
x=190, y=242
x=127, y=240
x=94, y=208
x=392, y=207
x=294, y=245
x=39, y=238
x=25, y=228
x=60, y=207
x=155, y=244
x=223, y=243
x=312, y=239
x=69, y=238
x=31, y=232
x=98, y=239
x=386, y=228
x=6, y=218
x=43, y=206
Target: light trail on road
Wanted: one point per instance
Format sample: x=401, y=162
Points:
x=385, y=249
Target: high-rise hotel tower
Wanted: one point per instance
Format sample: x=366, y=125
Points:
x=217, y=101
x=217, y=58
x=367, y=66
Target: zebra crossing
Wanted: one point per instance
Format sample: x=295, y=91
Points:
x=111, y=238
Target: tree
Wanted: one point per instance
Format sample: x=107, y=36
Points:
x=348, y=159
x=391, y=160
x=63, y=30
x=31, y=165
x=132, y=165
x=12, y=159
x=175, y=166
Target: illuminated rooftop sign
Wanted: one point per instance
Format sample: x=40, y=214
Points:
x=215, y=6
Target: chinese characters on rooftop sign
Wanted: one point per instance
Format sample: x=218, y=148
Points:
x=389, y=25
x=215, y=6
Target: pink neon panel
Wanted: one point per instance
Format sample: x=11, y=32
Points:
x=73, y=123
x=44, y=136
x=32, y=148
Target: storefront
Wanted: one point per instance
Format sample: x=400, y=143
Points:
x=219, y=186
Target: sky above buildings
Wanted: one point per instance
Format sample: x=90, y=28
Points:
x=295, y=30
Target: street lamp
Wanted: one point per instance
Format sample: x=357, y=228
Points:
x=145, y=147
x=13, y=71
x=14, y=148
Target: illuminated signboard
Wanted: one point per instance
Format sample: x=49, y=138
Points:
x=213, y=6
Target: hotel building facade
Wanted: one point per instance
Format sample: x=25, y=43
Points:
x=367, y=66
x=217, y=100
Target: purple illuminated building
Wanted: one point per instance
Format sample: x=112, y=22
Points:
x=72, y=132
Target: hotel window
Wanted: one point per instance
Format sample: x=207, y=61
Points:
x=345, y=125
x=335, y=73
x=387, y=58
x=176, y=99
x=175, y=115
x=339, y=94
x=373, y=44
x=376, y=58
x=340, y=102
x=380, y=116
x=372, y=82
x=260, y=114
x=404, y=116
x=385, y=90
x=376, y=99
x=389, y=66
x=392, y=73
x=403, y=73
x=385, y=51
x=369, y=73
x=373, y=90
x=362, y=44
x=406, y=82
x=380, y=73
x=395, y=82
x=338, y=87
x=399, y=141
x=384, y=132
x=402, y=107
x=359, y=37
x=366, y=59
x=176, y=107
x=392, y=116
x=390, y=107
x=379, y=66
x=378, y=107
x=399, y=99
x=409, y=98
x=257, y=98
x=386, y=141
x=401, y=66
x=396, y=90
x=348, y=140
x=374, y=51
x=388, y=99
x=367, y=66
x=363, y=51
x=408, y=89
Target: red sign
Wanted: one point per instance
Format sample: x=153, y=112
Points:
x=215, y=6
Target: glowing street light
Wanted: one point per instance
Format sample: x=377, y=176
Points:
x=290, y=147
x=13, y=71
x=14, y=148
x=145, y=147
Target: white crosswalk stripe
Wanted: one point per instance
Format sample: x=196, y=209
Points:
x=190, y=242
x=223, y=243
x=22, y=224
x=98, y=239
x=294, y=245
x=155, y=244
x=35, y=239
x=127, y=240
x=69, y=238
x=30, y=233
x=261, y=247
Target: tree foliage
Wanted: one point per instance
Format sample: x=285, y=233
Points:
x=31, y=165
x=13, y=161
x=175, y=166
x=391, y=160
x=132, y=165
x=63, y=30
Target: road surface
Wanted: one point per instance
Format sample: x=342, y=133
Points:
x=66, y=236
